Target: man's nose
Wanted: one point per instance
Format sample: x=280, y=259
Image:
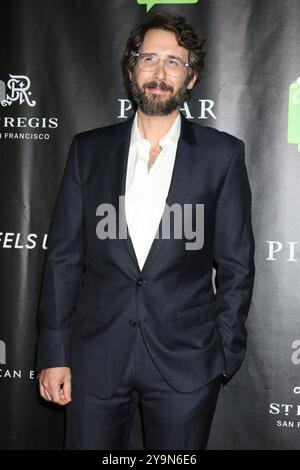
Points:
x=160, y=71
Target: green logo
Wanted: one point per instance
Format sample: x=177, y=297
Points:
x=151, y=3
x=294, y=114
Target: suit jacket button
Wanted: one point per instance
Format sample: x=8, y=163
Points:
x=139, y=282
x=132, y=323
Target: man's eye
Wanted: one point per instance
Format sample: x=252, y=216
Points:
x=149, y=58
x=173, y=62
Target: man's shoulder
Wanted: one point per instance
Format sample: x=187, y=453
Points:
x=207, y=135
x=212, y=136
x=106, y=134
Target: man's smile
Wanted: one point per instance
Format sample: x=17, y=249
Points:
x=158, y=91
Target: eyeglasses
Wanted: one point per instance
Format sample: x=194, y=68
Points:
x=148, y=62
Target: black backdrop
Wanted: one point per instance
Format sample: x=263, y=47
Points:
x=60, y=74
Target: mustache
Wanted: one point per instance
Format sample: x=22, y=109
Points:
x=159, y=85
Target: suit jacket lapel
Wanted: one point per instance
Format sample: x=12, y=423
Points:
x=118, y=169
x=180, y=182
x=182, y=175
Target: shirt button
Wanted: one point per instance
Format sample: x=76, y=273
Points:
x=139, y=282
x=132, y=323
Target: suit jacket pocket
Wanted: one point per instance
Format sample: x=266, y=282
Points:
x=197, y=314
x=85, y=309
x=201, y=198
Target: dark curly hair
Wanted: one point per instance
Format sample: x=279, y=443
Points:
x=185, y=35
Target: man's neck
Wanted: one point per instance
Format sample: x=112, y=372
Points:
x=154, y=128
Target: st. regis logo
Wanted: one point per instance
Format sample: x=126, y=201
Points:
x=17, y=90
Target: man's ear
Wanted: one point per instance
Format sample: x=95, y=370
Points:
x=192, y=81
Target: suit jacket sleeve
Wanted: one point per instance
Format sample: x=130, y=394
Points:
x=63, y=269
x=234, y=258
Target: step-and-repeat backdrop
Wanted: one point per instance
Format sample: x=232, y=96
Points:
x=60, y=74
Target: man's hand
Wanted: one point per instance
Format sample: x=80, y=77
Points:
x=55, y=385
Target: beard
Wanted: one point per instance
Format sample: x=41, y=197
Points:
x=156, y=104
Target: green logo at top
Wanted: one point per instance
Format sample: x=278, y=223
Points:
x=294, y=113
x=151, y=3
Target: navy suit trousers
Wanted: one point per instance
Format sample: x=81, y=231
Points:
x=171, y=419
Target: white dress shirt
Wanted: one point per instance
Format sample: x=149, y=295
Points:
x=146, y=192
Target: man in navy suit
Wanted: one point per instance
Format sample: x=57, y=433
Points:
x=128, y=303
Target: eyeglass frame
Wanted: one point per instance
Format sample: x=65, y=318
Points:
x=159, y=59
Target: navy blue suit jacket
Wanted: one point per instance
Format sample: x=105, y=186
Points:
x=94, y=295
